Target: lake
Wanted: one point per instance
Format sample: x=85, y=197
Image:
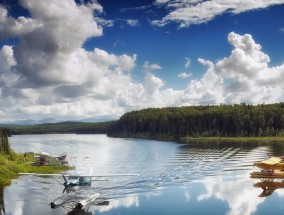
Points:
x=173, y=178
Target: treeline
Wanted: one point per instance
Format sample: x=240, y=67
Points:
x=61, y=128
x=4, y=142
x=95, y=128
x=202, y=121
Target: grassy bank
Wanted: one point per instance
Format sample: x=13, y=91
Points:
x=12, y=164
x=191, y=139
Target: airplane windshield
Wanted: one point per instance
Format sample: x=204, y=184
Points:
x=85, y=181
x=73, y=177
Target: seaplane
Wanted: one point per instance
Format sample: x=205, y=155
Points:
x=271, y=167
x=77, y=195
x=45, y=158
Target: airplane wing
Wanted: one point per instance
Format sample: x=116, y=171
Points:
x=101, y=176
x=78, y=175
x=39, y=174
x=271, y=161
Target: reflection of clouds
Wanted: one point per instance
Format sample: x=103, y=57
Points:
x=186, y=196
x=280, y=192
x=12, y=206
x=25, y=197
x=123, y=202
x=238, y=193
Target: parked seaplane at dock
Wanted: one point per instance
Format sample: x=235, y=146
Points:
x=45, y=158
x=271, y=167
x=77, y=192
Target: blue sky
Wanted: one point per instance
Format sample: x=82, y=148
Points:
x=99, y=59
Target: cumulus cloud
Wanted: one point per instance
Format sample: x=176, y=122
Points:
x=48, y=72
x=45, y=55
x=11, y=27
x=188, y=12
x=247, y=74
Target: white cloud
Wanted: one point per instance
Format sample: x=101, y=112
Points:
x=233, y=192
x=281, y=29
x=247, y=75
x=133, y=22
x=10, y=26
x=151, y=67
x=130, y=22
x=162, y=1
x=188, y=12
x=187, y=63
x=184, y=75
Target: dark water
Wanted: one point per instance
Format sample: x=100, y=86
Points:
x=173, y=178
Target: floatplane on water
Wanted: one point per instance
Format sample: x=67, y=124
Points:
x=271, y=167
x=74, y=197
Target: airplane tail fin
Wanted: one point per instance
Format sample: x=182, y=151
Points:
x=267, y=156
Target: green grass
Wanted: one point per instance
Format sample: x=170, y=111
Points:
x=11, y=165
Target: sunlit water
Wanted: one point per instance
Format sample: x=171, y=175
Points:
x=173, y=178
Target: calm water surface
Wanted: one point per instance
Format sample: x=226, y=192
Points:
x=173, y=178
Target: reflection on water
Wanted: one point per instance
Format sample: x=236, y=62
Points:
x=2, y=204
x=173, y=178
x=268, y=186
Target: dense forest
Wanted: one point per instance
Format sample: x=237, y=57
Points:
x=61, y=128
x=203, y=121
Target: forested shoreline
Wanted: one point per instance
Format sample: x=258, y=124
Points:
x=203, y=121
x=242, y=120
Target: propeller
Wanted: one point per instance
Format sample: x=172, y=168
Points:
x=65, y=184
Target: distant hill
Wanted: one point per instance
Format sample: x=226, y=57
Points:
x=45, y=121
x=30, y=122
x=60, y=128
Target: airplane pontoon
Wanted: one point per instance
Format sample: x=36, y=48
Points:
x=76, y=202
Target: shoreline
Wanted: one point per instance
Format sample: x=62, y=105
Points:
x=11, y=165
x=195, y=140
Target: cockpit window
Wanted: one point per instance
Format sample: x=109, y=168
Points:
x=85, y=181
x=73, y=177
